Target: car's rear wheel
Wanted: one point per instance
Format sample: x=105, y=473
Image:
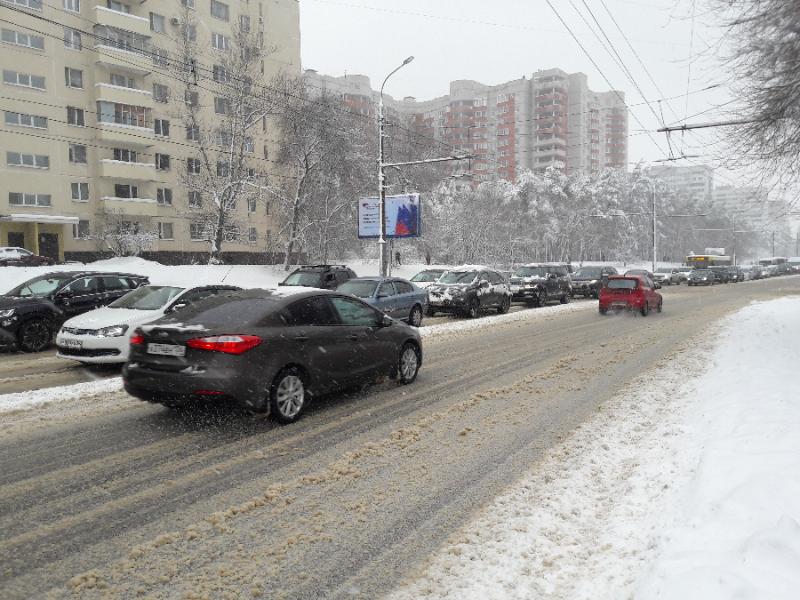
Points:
x=474, y=309
x=565, y=298
x=660, y=306
x=603, y=311
x=408, y=364
x=415, y=318
x=645, y=309
x=505, y=305
x=34, y=335
x=287, y=396
x=540, y=299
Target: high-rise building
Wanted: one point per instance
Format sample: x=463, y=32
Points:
x=92, y=116
x=551, y=119
x=694, y=181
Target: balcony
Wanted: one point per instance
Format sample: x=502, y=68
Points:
x=118, y=59
x=120, y=20
x=127, y=170
x=125, y=135
x=131, y=206
x=123, y=95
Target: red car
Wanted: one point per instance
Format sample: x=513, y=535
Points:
x=629, y=292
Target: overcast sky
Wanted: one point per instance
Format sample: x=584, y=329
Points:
x=497, y=41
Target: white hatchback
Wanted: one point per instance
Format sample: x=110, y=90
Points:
x=103, y=335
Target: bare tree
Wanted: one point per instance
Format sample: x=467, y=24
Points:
x=122, y=236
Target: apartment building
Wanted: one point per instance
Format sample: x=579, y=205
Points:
x=694, y=181
x=551, y=119
x=92, y=125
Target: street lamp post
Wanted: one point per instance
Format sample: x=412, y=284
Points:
x=381, y=174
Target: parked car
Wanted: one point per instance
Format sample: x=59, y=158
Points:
x=755, y=272
x=396, y=297
x=326, y=277
x=537, y=284
x=644, y=273
x=587, y=281
x=11, y=256
x=721, y=273
x=667, y=276
x=268, y=352
x=630, y=292
x=426, y=277
x=684, y=273
x=33, y=311
x=103, y=335
x=702, y=277
x=735, y=274
x=469, y=291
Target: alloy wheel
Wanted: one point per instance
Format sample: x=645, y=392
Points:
x=290, y=396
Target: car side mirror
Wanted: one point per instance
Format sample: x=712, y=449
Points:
x=387, y=321
x=176, y=307
x=657, y=285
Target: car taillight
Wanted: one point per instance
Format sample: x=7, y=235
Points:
x=229, y=344
x=137, y=339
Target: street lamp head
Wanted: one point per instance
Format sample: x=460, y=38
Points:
x=408, y=60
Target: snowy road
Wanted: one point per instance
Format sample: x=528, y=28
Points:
x=110, y=497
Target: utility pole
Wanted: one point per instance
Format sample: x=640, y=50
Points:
x=733, y=230
x=773, y=242
x=655, y=232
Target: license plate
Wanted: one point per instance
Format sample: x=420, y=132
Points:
x=72, y=344
x=619, y=305
x=166, y=349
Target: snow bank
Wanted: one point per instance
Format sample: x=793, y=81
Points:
x=687, y=489
x=38, y=398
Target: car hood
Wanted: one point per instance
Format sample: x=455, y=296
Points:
x=586, y=278
x=425, y=284
x=527, y=279
x=106, y=317
x=20, y=301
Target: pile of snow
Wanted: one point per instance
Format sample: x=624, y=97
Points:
x=39, y=398
x=689, y=489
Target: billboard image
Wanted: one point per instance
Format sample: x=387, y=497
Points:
x=403, y=217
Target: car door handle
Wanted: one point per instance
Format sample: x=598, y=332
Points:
x=353, y=337
x=300, y=338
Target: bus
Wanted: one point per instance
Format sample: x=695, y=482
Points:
x=779, y=261
x=703, y=261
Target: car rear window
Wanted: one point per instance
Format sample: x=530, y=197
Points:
x=228, y=311
x=307, y=279
x=622, y=284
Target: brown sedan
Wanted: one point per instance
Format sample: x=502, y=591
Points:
x=20, y=257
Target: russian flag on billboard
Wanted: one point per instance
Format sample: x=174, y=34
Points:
x=407, y=220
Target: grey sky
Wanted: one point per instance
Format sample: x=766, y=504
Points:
x=496, y=41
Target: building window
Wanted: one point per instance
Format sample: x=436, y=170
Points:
x=164, y=196
x=80, y=230
x=221, y=106
x=123, y=81
x=251, y=205
x=75, y=116
x=162, y=162
x=22, y=39
x=157, y=23
x=165, y=231
x=195, y=200
x=72, y=39
x=80, y=192
x=126, y=190
x=244, y=23
x=160, y=57
x=223, y=170
x=32, y=4
x=77, y=154
x=25, y=120
x=220, y=10
x=160, y=92
x=252, y=235
x=193, y=133
x=220, y=74
x=34, y=161
x=161, y=127
x=191, y=98
x=125, y=155
x=193, y=166
x=190, y=33
x=231, y=233
x=72, y=5
x=249, y=145
x=219, y=41
x=123, y=114
x=119, y=6
x=188, y=3
x=73, y=78
x=24, y=80
x=197, y=232
x=20, y=199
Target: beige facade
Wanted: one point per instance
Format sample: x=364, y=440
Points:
x=92, y=117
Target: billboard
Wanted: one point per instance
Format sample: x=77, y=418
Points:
x=403, y=217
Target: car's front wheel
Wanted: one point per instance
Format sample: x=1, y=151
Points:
x=474, y=309
x=287, y=396
x=34, y=335
x=408, y=364
x=565, y=298
x=415, y=318
x=645, y=309
x=505, y=305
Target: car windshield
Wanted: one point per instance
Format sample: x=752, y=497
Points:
x=40, y=287
x=427, y=276
x=304, y=278
x=148, y=297
x=589, y=273
x=531, y=272
x=700, y=273
x=458, y=277
x=622, y=284
x=361, y=289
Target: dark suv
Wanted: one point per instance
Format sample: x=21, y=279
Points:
x=33, y=311
x=326, y=277
x=587, y=281
x=469, y=291
x=538, y=284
